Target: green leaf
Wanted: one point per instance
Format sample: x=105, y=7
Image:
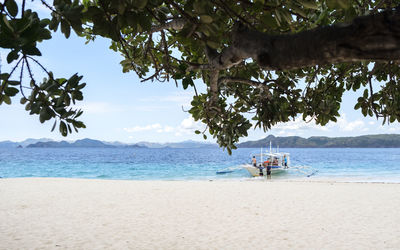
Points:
x=6, y=99
x=69, y=128
x=132, y=19
x=31, y=50
x=186, y=82
x=74, y=80
x=65, y=28
x=344, y=4
x=4, y=76
x=365, y=95
x=28, y=106
x=14, y=83
x=364, y=111
x=299, y=11
x=13, y=55
x=54, y=24
x=144, y=22
x=7, y=23
x=81, y=86
x=23, y=100
x=213, y=44
x=67, y=100
x=54, y=126
x=140, y=4
x=10, y=91
x=332, y=4
x=12, y=7
x=199, y=7
x=63, y=128
x=197, y=132
x=309, y=4
x=44, y=22
x=206, y=19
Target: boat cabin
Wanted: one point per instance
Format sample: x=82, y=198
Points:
x=277, y=160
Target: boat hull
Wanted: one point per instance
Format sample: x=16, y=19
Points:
x=254, y=171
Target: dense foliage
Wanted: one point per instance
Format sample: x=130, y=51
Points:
x=185, y=40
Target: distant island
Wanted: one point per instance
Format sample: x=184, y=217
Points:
x=365, y=141
x=84, y=143
x=90, y=143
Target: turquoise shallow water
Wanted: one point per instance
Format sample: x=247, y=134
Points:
x=350, y=164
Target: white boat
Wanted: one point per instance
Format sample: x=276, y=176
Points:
x=276, y=163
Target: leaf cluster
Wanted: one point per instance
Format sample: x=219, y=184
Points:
x=51, y=98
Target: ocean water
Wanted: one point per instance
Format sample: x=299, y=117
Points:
x=348, y=164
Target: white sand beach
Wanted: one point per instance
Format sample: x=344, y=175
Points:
x=44, y=213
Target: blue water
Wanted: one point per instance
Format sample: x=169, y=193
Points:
x=373, y=165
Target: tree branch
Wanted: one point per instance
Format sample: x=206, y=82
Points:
x=214, y=87
x=373, y=37
x=225, y=80
x=263, y=86
x=176, y=24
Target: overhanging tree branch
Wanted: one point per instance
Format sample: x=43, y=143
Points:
x=176, y=24
x=263, y=86
x=373, y=37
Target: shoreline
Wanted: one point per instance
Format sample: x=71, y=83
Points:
x=66, y=213
x=233, y=179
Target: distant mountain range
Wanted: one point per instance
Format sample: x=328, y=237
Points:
x=84, y=143
x=365, y=141
x=90, y=143
x=11, y=144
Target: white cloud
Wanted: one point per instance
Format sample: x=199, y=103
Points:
x=168, y=129
x=188, y=123
x=300, y=127
x=393, y=129
x=187, y=126
x=134, y=129
x=299, y=124
x=350, y=126
x=347, y=126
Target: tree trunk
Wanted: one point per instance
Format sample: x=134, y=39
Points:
x=373, y=37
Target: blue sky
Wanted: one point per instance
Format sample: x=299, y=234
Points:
x=118, y=107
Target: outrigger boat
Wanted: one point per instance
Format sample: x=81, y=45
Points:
x=277, y=163
x=274, y=163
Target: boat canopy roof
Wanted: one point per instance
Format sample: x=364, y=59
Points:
x=273, y=154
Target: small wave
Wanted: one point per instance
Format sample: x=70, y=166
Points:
x=103, y=176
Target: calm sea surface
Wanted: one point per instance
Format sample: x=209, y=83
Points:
x=349, y=164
